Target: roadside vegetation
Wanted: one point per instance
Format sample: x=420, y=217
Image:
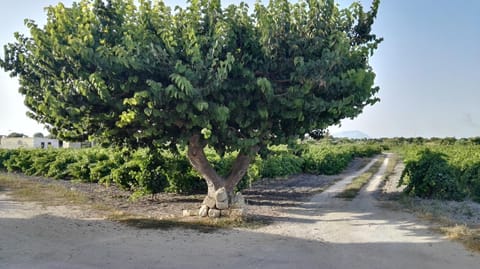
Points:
x=44, y=194
x=146, y=171
x=445, y=172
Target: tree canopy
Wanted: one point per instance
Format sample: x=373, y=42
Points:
x=144, y=74
x=38, y=134
x=16, y=135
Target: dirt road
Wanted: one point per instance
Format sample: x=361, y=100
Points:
x=325, y=233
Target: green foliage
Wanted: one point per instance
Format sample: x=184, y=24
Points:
x=42, y=161
x=142, y=172
x=14, y=134
x=443, y=170
x=280, y=165
x=139, y=73
x=181, y=177
x=59, y=167
x=148, y=171
x=330, y=159
x=5, y=154
x=430, y=176
x=19, y=161
x=38, y=135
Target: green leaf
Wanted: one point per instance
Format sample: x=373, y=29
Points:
x=206, y=133
x=201, y=105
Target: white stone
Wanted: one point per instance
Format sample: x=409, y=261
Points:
x=214, y=213
x=188, y=213
x=225, y=213
x=203, y=212
x=209, y=201
x=238, y=201
x=221, y=195
x=222, y=204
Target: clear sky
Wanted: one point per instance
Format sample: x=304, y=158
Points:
x=428, y=69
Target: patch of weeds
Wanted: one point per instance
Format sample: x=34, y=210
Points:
x=48, y=194
x=392, y=163
x=469, y=237
x=357, y=183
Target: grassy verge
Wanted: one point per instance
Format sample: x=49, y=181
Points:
x=46, y=194
x=392, y=163
x=469, y=237
x=357, y=183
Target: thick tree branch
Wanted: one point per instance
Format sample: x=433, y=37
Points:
x=199, y=161
x=240, y=167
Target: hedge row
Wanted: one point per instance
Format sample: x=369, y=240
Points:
x=147, y=171
x=450, y=172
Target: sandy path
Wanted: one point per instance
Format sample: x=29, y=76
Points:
x=325, y=233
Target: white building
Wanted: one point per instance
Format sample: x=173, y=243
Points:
x=73, y=145
x=28, y=143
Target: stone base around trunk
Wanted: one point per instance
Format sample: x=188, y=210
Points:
x=222, y=206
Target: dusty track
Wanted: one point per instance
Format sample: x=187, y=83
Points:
x=326, y=232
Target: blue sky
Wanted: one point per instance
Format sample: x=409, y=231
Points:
x=428, y=69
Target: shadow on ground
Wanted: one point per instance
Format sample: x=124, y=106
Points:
x=51, y=242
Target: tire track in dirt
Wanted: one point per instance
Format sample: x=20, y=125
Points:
x=378, y=237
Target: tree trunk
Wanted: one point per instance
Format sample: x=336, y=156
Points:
x=240, y=168
x=200, y=163
x=215, y=182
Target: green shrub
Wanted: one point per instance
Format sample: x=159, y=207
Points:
x=86, y=160
x=326, y=160
x=142, y=172
x=5, y=155
x=43, y=160
x=59, y=168
x=470, y=180
x=279, y=165
x=180, y=175
x=462, y=160
x=20, y=161
x=430, y=176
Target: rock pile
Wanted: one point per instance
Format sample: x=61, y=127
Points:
x=221, y=206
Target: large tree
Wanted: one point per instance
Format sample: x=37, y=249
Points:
x=138, y=73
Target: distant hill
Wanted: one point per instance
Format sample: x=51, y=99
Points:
x=351, y=134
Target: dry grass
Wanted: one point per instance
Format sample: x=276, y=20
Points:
x=392, y=163
x=352, y=189
x=469, y=237
x=22, y=189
